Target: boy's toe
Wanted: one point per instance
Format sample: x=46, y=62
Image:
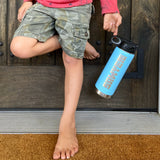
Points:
x=63, y=155
x=68, y=154
x=76, y=149
x=72, y=152
x=56, y=155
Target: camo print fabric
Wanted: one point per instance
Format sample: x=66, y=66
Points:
x=71, y=24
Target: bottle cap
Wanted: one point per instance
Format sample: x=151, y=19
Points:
x=124, y=44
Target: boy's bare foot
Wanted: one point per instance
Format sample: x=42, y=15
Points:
x=67, y=143
x=90, y=52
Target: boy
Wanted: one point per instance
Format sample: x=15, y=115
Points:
x=36, y=36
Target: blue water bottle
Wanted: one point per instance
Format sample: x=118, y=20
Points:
x=116, y=67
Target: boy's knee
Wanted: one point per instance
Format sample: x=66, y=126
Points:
x=18, y=49
x=68, y=60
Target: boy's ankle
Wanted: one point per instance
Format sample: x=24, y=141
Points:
x=68, y=116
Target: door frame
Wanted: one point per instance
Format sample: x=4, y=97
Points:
x=159, y=72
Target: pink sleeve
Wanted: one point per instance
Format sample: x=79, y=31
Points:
x=109, y=6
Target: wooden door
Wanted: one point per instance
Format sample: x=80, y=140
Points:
x=37, y=83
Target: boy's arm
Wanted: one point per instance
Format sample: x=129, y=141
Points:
x=112, y=17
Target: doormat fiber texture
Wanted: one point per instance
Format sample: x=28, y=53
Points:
x=91, y=147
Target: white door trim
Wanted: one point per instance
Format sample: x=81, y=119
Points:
x=92, y=122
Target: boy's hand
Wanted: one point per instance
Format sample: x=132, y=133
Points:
x=111, y=22
x=22, y=10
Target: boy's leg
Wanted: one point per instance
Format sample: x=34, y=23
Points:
x=67, y=144
x=25, y=47
x=73, y=43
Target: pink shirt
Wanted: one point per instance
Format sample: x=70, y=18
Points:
x=108, y=6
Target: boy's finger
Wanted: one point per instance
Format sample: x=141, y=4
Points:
x=119, y=21
x=115, y=32
x=19, y=18
x=113, y=28
x=105, y=26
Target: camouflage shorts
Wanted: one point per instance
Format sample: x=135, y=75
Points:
x=71, y=24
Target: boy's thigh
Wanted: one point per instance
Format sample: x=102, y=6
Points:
x=72, y=25
x=36, y=24
x=22, y=42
